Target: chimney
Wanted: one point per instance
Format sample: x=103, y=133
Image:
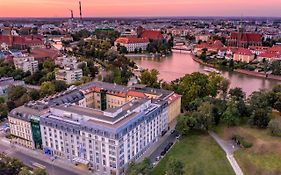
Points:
x=80, y=8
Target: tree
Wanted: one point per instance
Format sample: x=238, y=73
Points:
x=34, y=94
x=191, y=87
x=214, y=85
x=174, y=167
x=39, y=171
x=15, y=92
x=276, y=67
x=260, y=118
x=237, y=93
x=47, y=88
x=59, y=85
x=182, y=125
x=144, y=168
x=48, y=65
x=123, y=50
x=25, y=171
x=231, y=114
x=150, y=78
x=224, y=85
x=204, y=116
x=275, y=127
x=259, y=100
x=2, y=100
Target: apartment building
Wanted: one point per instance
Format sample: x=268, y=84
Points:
x=103, y=95
x=132, y=43
x=106, y=140
x=26, y=63
x=24, y=124
x=99, y=125
x=70, y=71
x=69, y=75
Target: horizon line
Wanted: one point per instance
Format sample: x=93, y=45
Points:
x=171, y=16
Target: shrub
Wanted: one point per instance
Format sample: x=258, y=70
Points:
x=9, y=136
x=241, y=141
x=275, y=127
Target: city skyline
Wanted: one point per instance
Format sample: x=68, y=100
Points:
x=125, y=8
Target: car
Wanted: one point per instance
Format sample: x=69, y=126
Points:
x=163, y=153
x=158, y=158
x=154, y=163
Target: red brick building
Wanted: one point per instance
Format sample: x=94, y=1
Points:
x=241, y=39
x=22, y=42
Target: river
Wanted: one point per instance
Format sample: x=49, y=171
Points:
x=179, y=64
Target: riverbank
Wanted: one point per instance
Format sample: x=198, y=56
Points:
x=242, y=71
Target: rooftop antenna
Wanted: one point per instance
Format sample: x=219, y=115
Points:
x=80, y=8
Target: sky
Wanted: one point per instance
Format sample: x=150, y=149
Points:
x=127, y=8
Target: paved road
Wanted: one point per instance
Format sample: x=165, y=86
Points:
x=28, y=157
x=157, y=152
x=229, y=147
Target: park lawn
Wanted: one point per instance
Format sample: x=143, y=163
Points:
x=264, y=157
x=200, y=155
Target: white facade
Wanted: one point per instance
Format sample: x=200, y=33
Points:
x=26, y=63
x=131, y=47
x=69, y=75
x=108, y=147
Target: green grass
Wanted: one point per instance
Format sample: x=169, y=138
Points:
x=263, y=158
x=259, y=163
x=200, y=155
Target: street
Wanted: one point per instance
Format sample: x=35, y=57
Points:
x=28, y=158
x=171, y=138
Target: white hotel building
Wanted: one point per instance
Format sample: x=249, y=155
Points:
x=132, y=43
x=106, y=140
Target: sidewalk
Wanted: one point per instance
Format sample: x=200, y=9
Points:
x=228, y=149
x=40, y=156
x=155, y=146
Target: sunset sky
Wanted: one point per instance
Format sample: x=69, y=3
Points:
x=111, y=8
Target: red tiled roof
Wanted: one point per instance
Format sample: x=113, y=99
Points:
x=270, y=55
x=152, y=35
x=258, y=48
x=21, y=40
x=210, y=45
x=6, y=39
x=127, y=40
x=243, y=51
x=136, y=94
x=249, y=37
x=275, y=49
x=38, y=53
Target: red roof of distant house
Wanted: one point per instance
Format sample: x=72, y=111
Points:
x=21, y=40
x=258, y=47
x=136, y=94
x=5, y=39
x=152, y=35
x=249, y=37
x=41, y=53
x=275, y=49
x=210, y=45
x=270, y=55
x=243, y=51
x=128, y=40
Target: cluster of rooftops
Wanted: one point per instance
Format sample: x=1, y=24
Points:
x=65, y=105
